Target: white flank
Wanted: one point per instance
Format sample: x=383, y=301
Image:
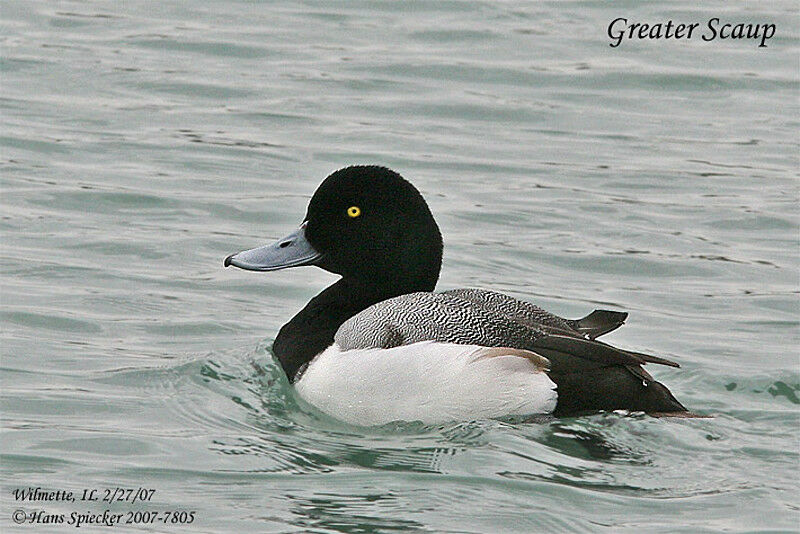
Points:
x=429, y=381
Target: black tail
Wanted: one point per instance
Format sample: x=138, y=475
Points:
x=611, y=388
x=591, y=375
x=599, y=322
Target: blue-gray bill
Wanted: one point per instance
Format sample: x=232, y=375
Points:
x=293, y=250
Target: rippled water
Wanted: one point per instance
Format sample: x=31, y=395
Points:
x=143, y=142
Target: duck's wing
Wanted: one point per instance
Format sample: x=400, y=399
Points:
x=513, y=309
x=594, y=325
x=484, y=318
x=424, y=316
x=566, y=335
x=598, y=351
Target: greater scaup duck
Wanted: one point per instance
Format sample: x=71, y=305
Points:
x=379, y=345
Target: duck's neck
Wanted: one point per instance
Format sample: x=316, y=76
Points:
x=311, y=331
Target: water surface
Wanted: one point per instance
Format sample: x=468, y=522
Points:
x=143, y=142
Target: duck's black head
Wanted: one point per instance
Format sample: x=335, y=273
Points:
x=365, y=223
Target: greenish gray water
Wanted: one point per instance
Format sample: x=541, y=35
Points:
x=143, y=142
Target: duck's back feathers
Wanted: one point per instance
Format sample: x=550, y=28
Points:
x=594, y=325
x=485, y=318
x=445, y=317
x=512, y=309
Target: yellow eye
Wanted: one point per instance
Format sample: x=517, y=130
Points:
x=353, y=212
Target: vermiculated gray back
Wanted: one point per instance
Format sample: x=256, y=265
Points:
x=464, y=316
